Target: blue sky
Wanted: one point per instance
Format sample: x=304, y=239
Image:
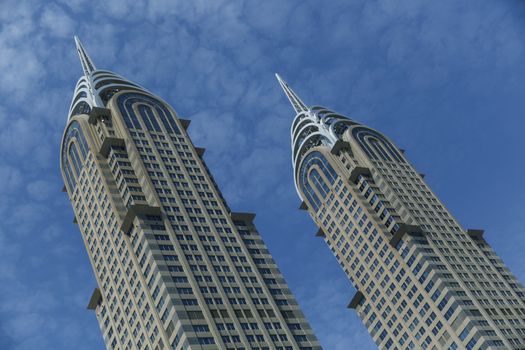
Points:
x=444, y=79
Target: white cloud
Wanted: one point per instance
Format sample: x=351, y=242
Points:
x=57, y=22
x=19, y=67
x=10, y=178
x=214, y=61
x=21, y=136
x=41, y=189
x=221, y=132
x=74, y=5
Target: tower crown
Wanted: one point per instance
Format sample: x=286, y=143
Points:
x=312, y=126
x=96, y=86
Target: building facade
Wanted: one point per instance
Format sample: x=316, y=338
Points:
x=422, y=281
x=176, y=269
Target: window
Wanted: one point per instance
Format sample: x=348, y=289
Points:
x=306, y=178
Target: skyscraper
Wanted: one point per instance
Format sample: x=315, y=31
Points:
x=176, y=269
x=422, y=281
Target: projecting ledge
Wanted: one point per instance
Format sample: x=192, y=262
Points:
x=356, y=299
x=185, y=123
x=98, y=113
x=108, y=142
x=136, y=210
x=320, y=233
x=200, y=151
x=303, y=206
x=475, y=233
x=246, y=217
x=403, y=230
x=359, y=170
x=340, y=145
x=96, y=298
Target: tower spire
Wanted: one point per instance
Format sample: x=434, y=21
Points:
x=87, y=64
x=296, y=102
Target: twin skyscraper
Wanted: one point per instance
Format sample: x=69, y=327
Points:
x=177, y=269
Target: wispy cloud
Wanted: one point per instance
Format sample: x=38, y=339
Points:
x=443, y=78
x=56, y=22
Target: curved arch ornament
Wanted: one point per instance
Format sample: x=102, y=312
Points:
x=312, y=127
x=314, y=169
x=315, y=126
x=73, y=154
x=96, y=87
x=376, y=145
x=151, y=112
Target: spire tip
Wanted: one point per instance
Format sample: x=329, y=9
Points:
x=87, y=64
x=296, y=102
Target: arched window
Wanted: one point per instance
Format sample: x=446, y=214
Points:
x=150, y=110
x=375, y=145
x=341, y=126
x=319, y=182
x=79, y=95
x=309, y=177
x=107, y=93
x=311, y=141
x=81, y=108
x=97, y=76
x=146, y=112
x=310, y=129
x=112, y=81
x=378, y=147
x=74, y=153
x=75, y=158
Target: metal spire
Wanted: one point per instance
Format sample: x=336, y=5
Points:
x=296, y=102
x=87, y=64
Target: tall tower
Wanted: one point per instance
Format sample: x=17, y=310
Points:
x=422, y=281
x=175, y=268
